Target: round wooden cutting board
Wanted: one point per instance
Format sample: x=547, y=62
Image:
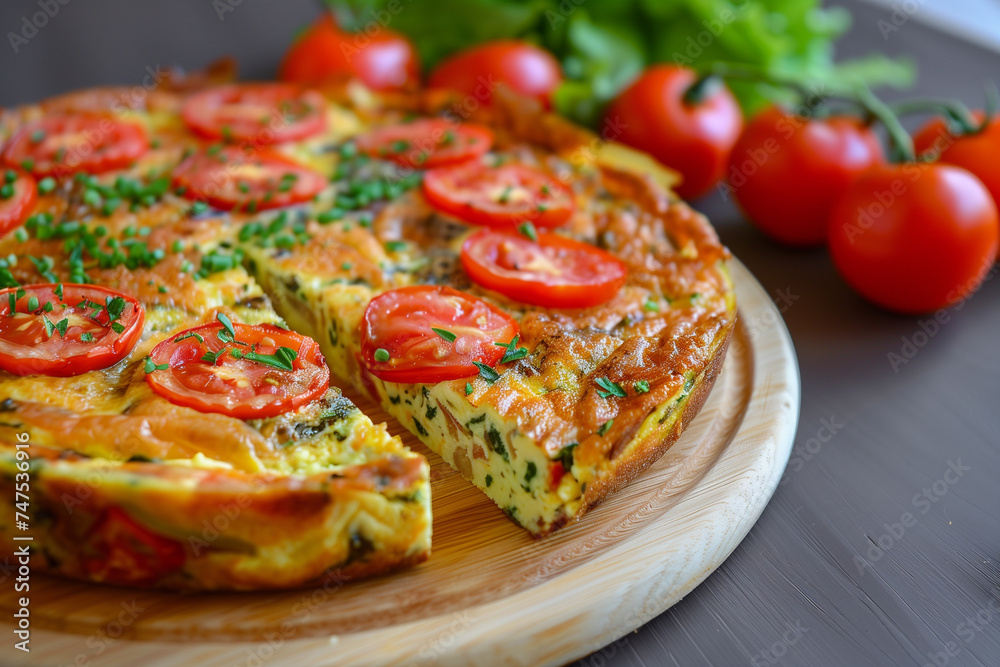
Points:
x=490, y=594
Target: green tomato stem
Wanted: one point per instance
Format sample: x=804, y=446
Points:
x=900, y=142
x=954, y=111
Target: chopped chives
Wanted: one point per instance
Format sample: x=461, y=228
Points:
x=445, y=334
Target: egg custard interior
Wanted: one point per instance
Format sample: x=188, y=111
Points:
x=534, y=306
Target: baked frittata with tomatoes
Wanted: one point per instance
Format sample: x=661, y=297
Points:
x=183, y=274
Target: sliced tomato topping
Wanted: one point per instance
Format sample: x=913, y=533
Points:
x=244, y=371
x=119, y=550
x=87, y=328
x=399, y=342
x=553, y=271
x=427, y=143
x=18, y=193
x=232, y=179
x=504, y=196
x=260, y=113
x=61, y=144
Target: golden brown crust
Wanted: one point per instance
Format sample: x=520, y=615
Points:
x=218, y=522
x=625, y=468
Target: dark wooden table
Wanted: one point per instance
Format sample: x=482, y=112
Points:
x=880, y=546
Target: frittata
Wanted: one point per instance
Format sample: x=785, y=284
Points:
x=528, y=300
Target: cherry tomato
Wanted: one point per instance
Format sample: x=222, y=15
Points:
x=399, y=344
x=523, y=68
x=384, y=61
x=693, y=138
x=120, y=550
x=232, y=178
x=916, y=237
x=936, y=136
x=263, y=371
x=975, y=152
x=554, y=271
x=426, y=143
x=61, y=144
x=504, y=196
x=18, y=193
x=786, y=172
x=88, y=328
x=261, y=113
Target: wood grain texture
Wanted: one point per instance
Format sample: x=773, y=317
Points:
x=490, y=594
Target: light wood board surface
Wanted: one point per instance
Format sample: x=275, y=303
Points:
x=490, y=594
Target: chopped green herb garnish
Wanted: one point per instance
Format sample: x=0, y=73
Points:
x=348, y=149
x=395, y=246
x=6, y=191
x=528, y=231
x=486, y=372
x=513, y=352
x=115, y=307
x=150, y=366
x=382, y=355
x=468, y=388
x=281, y=359
x=609, y=388
x=332, y=215
x=32, y=303
x=87, y=337
x=212, y=357
x=605, y=427
x=109, y=206
x=46, y=185
x=444, y=333
x=227, y=323
x=651, y=304
x=641, y=387
x=190, y=334
x=92, y=198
